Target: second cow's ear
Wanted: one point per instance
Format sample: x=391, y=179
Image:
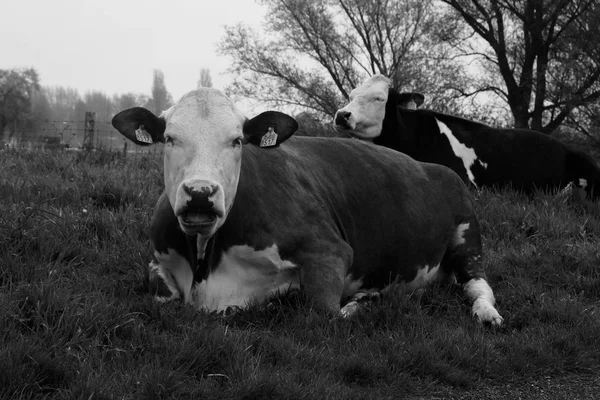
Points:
x=140, y=126
x=269, y=129
x=409, y=100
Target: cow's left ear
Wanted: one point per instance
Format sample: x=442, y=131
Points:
x=269, y=129
x=409, y=100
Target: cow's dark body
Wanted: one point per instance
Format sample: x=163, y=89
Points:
x=338, y=207
x=521, y=158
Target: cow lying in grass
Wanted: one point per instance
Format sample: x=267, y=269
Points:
x=249, y=211
x=481, y=155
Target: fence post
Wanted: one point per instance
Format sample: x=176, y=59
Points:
x=124, y=148
x=88, y=133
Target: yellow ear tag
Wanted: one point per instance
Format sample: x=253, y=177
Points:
x=269, y=139
x=141, y=135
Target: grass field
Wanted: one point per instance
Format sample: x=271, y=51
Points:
x=77, y=322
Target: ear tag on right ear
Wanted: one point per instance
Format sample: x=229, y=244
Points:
x=269, y=139
x=141, y=135
x=411, y=105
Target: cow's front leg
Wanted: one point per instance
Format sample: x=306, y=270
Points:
x=172, y=270
x=322, y=276
x=482, y=296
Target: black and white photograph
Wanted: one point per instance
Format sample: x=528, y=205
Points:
x=300, y=199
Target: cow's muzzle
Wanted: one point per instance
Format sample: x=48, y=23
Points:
x=199, y=206
x=342, y=120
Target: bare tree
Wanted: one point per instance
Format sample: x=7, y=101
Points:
x=541, y=55
x=319, y=50
x=205, y=78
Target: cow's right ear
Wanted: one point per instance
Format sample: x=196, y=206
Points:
x=409, y=100
x=140, y=126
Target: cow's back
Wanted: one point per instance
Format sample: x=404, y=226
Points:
x=521, y=158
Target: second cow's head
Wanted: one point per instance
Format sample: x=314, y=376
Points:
x=203, y=135
x=370, y=103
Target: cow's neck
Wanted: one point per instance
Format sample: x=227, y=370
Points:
x=202, y=250
x=395, y=134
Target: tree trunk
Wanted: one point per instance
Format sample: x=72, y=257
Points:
x=519, y=106
x=540, y=92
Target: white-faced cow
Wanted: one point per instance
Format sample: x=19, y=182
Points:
x=244, y=216
x=479, y=154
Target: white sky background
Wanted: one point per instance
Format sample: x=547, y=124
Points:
x=113, y=46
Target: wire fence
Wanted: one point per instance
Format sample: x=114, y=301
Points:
x=70, y=136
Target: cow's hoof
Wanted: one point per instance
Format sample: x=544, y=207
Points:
x=231, y=310
x=349, y=309
x=485, y=313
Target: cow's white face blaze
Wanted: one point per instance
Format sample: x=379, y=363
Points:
x=363, y=116
x=202, y=159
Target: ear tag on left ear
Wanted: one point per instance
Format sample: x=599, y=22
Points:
x=269, y=139
x=411, y=105
x=141, y=135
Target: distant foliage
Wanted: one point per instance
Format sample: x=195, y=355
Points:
x=161, y=98
x=18, y=90
x=205, y=79
x=32, y=112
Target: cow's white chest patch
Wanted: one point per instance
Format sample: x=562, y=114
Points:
x=245, y=275
x=466, y=154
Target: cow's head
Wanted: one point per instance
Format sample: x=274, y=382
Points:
x=203, y=135
x=363, y=116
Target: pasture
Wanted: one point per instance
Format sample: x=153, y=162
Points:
x=77, y=321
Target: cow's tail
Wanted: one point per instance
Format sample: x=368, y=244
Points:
x=584, y=172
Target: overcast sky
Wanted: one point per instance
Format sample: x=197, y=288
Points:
x=114, y=45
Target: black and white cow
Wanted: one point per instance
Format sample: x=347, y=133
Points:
x=479, y=154
x=244, y=216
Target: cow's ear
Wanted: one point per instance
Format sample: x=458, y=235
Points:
x=269, y=129
x=409, y=100
x=140, y=126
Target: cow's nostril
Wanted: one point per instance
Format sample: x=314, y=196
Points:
x=341, y=117
x=200, y=191
x=200, y=196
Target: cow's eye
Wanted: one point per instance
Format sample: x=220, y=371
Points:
x=236, y=142
x=381, y=99
x=168, y=140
